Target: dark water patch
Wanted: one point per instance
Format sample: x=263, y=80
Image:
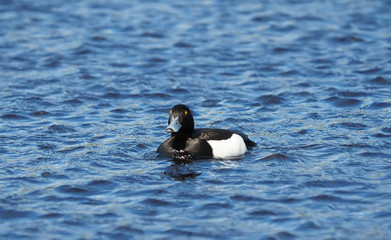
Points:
x=383, y=214
x=73, y=101
x=381, y=135
x=119, y=110
x=379, y=105
x=386, y=129
x=181, y=171
x=379, y=154
x=343, y=102
x=115, y=95
x=380, y=81
x=76, y=191
x=157, y=95
x=59, y=128
x=183, y=45
x=372, y=71
x=129, y=229
x=82, y=50
x=10, y=214
x=263, y=18
x=332, y=198
x=347, y=39
x=47, y=146
x=98, y=38
x=351, y=94
x=51, y=216
x=292, y=72
x=289, y=200
x=282, y=50
x=157, y=60
x=350, y=125
x=152, y=35
x=106, y=215
x=271, y=100
x=120, y=65
x=40, y=113
x=326, y=198
x=216, y=206
x=356, y=145
x=157, y=202
x=314, y=115
x=302, y=132
x=308, y=225
x=263, y=213
x=14, y=117
x=245, y=198
x=330, y=184
x=188, y=234
x=54, y=175
x=45, y=174
x=101, y=185
x=277, y=156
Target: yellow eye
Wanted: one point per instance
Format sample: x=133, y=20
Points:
x=171, y=111
x=185, y=112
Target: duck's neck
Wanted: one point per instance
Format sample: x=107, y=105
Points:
x=182, y=135
x=180, y=139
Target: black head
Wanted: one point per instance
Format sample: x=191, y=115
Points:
x=180, y=120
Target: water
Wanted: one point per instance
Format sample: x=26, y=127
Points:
x=86, y=89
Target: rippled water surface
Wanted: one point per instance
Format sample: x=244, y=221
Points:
x=86, y=88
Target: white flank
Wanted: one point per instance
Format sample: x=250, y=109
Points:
x=232, y=147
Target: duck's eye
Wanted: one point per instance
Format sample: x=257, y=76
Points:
x=171, y=111
x=185, y=112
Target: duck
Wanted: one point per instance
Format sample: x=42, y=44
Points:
x=186, y=142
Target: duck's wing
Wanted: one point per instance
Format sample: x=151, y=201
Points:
x=221, y=134
x=212, y=134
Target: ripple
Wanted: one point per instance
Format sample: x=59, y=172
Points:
x=271, y=100
x=350, y=125
x=73, y=102
x=101, y=185
x=157, y=202
x=277, y=156
x=386, y=129
x=351, y=94
x=379, y=105
x=59, y=128
x=15, y=117
x=183, y=45
x=346, y=39
x=308, y=225
x=330, y=183
x=216, y=206
x=9, y=214
x=262, y=213
x=181, y=172
x=344, y=102
x=380, y=81
x=40, y=113
x=76, y=191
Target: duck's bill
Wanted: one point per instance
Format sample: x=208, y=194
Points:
x=174, y=125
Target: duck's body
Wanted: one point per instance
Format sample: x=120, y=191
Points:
x=187, y=142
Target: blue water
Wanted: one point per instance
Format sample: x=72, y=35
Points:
x=85, y=93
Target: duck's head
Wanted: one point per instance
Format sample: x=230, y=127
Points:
x=180, y=121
